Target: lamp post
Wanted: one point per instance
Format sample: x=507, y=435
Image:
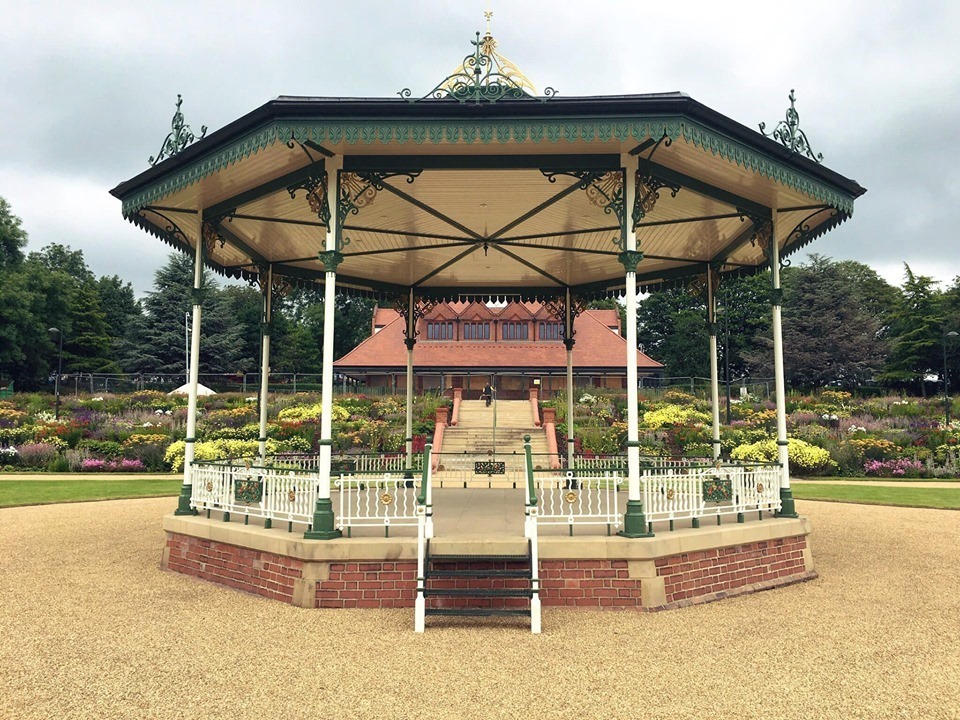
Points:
x=59, y=371
x=946, y=386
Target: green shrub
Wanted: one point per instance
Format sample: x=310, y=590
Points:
x=107, y=449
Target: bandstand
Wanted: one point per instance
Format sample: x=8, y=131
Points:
x=486, y=190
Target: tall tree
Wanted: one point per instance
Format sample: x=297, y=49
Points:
x=829, y=335
x=122, y=314
x=13, y=238
x=916, y=330
x=161, y=343
x=87, y=347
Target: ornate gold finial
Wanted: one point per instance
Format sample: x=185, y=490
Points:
x=488, y=14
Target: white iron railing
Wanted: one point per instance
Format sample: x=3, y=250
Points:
x=619, y=462
x=391, y=462
x=578, y=497
x=532, y=535
x=273, y=493
x=376, y=500
x=699, y=492
x=471, y=470
x=424, y=533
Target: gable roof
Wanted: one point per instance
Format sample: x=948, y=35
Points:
x=597, y=348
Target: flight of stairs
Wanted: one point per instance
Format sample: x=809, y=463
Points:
x=473, y=436
x=478, y=585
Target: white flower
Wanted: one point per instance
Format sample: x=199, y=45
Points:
x=250, y=399
x=158, y=412
x=168, y=412
x=147, y=424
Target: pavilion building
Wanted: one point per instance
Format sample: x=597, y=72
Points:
x=517, y=347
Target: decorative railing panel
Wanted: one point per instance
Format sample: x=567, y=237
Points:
x=275, y=493
x=580, y=497
x=369, y=500
x=479, y=469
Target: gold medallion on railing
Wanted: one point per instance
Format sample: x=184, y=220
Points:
x=759, y=487
x=209, y=485
x=292, y=495
x=570, y=496
x=386, y=499
x=670, y=494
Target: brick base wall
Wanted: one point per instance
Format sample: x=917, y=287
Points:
x=253, y=571
x=368, y=585
x=592, y=584
x=730, y=569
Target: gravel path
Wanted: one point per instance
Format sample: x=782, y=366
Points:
x=90, y=628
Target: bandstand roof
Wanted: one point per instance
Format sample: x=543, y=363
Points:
x=486, y=196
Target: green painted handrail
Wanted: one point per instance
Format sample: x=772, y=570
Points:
x=422, y=496
x=531, y=488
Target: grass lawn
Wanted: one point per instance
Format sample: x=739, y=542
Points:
x=904, y=480
x=31, y=492
x=872, y=495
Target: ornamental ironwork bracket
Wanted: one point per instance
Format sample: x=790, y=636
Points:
x=315, y=186
x=330, y=259
x=172, y=230
x=278, y=288
x=789, y=134
x=357, y=190
x=604, y=189
x=421, y=308
x=211, y=235
x=484, y=76
x=699, y=284
x=762, y=234
x=557, y=307
x=178, y=138
x=647, y=192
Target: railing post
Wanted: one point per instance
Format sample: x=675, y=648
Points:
x=425, y=496
x=530, y=531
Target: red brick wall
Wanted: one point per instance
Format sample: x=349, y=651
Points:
x=244, y=569
x=731, y=568
x=588, y=583
x=597, y=584
x=368, y=585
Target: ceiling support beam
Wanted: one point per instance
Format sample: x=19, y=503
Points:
x=529, y=265
x=267, y=188
x=672, y=177
x=431, y=211
x=405, y=233
x=559, y=233
x=403, y=163
x=229, y=236
x=436, y=271
x=537, y=210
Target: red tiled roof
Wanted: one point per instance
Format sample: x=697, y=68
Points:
x=597, y=347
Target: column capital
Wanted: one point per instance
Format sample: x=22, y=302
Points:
x=630, y=259
x=331, y=259
x=409, y=342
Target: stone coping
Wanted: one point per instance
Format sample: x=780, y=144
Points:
x=664, y=544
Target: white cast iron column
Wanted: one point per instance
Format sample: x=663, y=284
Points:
x=568, y=342
x=323, y=527
x=634, y=520
x=714, y=371
x=267, y=290
x=410, y=341
x=787, y=507
x=183, y=505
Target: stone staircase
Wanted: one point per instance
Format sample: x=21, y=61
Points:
x=473, y=439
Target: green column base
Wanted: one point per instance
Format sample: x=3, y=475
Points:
x=183, y=502
x=323, y=525
x=787, y=508
x=635, y=521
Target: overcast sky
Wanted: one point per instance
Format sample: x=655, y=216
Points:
x=88, y=90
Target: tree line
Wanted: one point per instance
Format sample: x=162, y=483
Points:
x=107, y=329
x=843, y=325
